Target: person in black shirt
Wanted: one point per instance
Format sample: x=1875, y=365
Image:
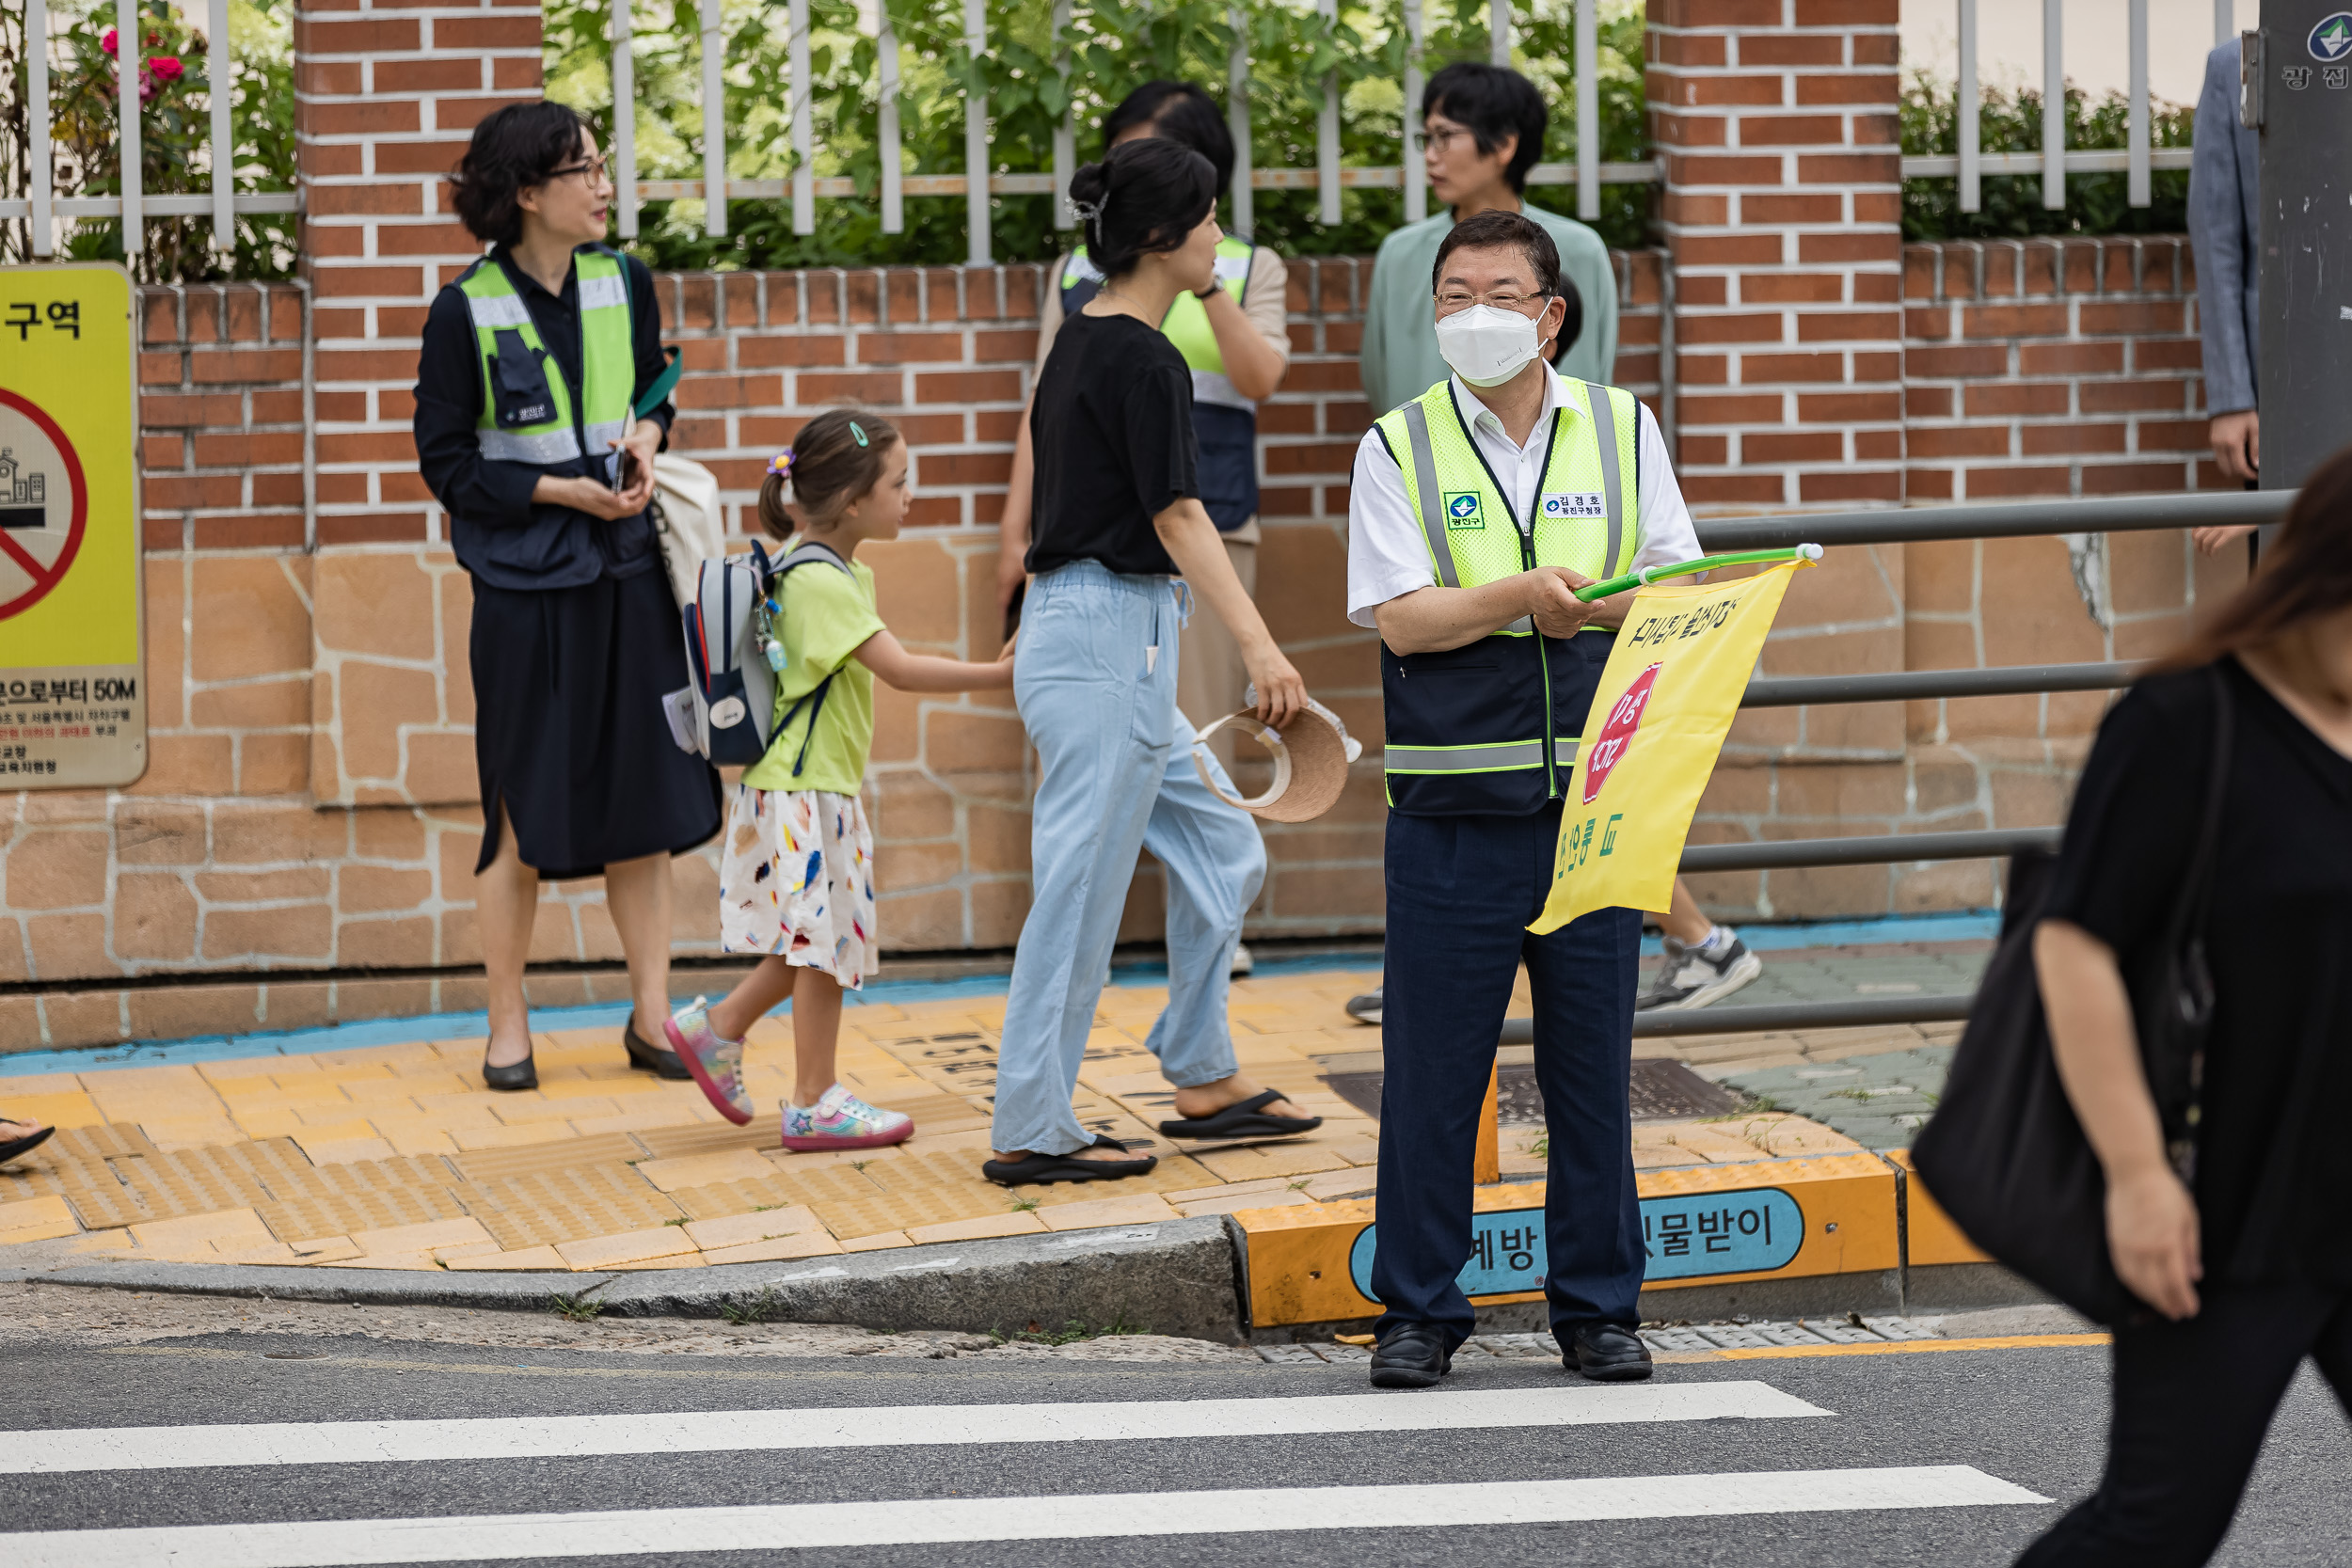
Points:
x=2245, y=1267
x=532, y=365
x=1116, y=514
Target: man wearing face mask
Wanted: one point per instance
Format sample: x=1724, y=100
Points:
x=1477, y=509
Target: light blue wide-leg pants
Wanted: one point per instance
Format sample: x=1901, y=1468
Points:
x=1095, y=681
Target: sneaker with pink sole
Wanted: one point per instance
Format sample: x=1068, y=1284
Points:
x=714, y=1061
x=840, y=1119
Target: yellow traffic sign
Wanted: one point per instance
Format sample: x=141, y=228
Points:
x=73, y=635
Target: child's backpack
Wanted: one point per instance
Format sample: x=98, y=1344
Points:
x=735, y=649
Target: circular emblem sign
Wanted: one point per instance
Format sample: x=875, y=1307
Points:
x=44, y=504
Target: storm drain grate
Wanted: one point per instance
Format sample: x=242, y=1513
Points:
x=1661, y=1091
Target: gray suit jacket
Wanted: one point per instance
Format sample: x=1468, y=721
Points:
x=2224, y=231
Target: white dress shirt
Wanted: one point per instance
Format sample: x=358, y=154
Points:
x=1388, y=555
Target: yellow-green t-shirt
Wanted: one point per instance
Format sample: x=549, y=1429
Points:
x=827, y=617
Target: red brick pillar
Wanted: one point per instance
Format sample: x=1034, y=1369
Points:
x=384, y=96
x=1777, y=119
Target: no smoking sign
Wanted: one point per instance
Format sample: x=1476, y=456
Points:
x=72, y=687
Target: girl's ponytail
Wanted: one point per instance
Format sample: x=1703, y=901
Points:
x=1144, y=197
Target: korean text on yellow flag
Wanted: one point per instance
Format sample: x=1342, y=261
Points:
x=1665, y=701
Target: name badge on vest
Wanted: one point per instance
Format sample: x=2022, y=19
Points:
x=1462, y=510
x=1568, y=505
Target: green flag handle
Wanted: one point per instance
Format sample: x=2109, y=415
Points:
x=1648, y=575
x=663, y=383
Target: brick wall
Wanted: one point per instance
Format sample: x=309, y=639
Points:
x=309, y=813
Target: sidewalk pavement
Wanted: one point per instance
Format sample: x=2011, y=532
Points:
x=395, y=1157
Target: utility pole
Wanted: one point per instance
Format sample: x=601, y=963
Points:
x=2299, y=96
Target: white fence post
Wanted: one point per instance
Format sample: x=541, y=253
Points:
x=216, y=72
x=1066, y=134
x=2224, y=23
x=1968, y=114
x=714, y=120
x=2138, y=137
x=1587, y=109
x=803, y=86
x=2053, y=105
x=1498, y=33
x=1327, y=136
x=44, y=220
x=894, y=204
x=127, y=60
x=1416, y=177
x=976, y=160
x=624, y=116
x=1237, y=117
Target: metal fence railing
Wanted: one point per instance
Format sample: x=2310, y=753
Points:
x=1883, y=528
x=801, y=187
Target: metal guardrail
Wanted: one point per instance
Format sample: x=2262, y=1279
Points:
x=1920, y=524
x=2022, y=520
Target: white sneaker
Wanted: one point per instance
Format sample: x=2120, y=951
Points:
x=1691, y=977
x=1243, y=963
x=1366, y=1009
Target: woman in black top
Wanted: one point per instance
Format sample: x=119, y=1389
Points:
x=1117, y=516
x=575, y=637
x=2250, y=1271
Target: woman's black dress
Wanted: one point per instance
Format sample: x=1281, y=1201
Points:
x=575, y=635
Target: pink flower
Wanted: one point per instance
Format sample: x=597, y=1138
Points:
x=168, y=68
x=106, y=41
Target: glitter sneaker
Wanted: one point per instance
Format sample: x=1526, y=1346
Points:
x=715, y=1063
x=840, y=1119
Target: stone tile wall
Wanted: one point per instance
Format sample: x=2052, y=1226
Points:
x=302, y=846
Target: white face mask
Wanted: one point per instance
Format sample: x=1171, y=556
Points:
x=1487, y=345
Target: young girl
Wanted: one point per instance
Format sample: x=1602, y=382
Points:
x=795, y=882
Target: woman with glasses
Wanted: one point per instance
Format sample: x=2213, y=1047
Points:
x=540, y=405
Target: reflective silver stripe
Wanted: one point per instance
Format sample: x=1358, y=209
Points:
x=602, y=294
x=1523, y=626
x=507, y=446
x=1463, y=759
x=1217, y=387
x=602, y=436
x=1612, y=483
x=1431, y=499
x=497, y=311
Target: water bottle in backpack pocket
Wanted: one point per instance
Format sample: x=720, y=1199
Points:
x=734, y=653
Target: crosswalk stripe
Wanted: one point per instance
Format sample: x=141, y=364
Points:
x=670, y=1532
x=199, y=1447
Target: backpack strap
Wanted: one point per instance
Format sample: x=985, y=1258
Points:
x=807, y=552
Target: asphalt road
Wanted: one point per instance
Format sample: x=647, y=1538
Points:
x=2027, y=1418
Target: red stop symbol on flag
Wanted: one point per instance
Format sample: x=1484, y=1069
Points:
x=1617, y=733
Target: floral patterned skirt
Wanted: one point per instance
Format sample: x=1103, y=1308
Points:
x=797, y=881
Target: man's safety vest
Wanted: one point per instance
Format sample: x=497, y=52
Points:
x=1493, y=726
x=1226, y=422
x=530, y=410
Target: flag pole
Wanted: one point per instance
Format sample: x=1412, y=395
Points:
x=1648, y=575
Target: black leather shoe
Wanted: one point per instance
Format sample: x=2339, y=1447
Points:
x=648, y=1058
x=1413, y=1356
x=1607, y=1352
x=517, y=1075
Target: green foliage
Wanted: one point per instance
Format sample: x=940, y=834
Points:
x=2010, y=122
x=744, y=1310
x=580, y=1308
x=1069, y=1334
x=175, y=133
x=1112, y=46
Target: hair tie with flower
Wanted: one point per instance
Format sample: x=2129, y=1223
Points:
x=781, y=467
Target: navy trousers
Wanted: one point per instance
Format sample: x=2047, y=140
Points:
x=1461, y=892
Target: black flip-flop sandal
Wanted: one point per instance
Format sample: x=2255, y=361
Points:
x=1247, y=1119
x=15, y=1147
x=1032, y=1170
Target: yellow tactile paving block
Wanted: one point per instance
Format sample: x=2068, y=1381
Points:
x=396, y=1156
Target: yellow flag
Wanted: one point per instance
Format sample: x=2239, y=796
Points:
x=1657, y=722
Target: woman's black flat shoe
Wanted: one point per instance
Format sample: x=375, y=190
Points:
x=1248, y=1119
x=1039, y=1169
x=26, y=1144
x=651, y=1058
x=519, y=1075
